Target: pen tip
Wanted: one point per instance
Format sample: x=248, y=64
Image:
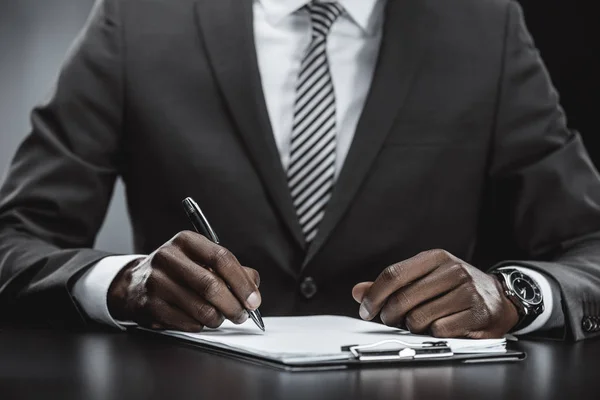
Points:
x=257, y=318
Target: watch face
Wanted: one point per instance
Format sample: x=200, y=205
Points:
x=525, y=288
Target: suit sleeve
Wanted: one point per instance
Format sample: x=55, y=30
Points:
x=543, y=176
x=60, y=182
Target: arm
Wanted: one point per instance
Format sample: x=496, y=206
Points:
x=61, y=180
x=543, y=177
x=54, y=201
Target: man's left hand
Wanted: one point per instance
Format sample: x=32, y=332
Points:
x=437, y=293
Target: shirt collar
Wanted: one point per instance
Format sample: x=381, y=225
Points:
x=362, y=12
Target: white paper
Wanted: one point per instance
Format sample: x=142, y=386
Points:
x=319, y=337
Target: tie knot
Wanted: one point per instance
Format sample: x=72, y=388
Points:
x=322, y=16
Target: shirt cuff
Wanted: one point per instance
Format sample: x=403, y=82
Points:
x=540, y=322
x=91, y=289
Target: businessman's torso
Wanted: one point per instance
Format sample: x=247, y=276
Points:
x=416, y=177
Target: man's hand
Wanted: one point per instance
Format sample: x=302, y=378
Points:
x=186, y=284
x=437, y=293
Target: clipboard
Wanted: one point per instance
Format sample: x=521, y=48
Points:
x=388, y=353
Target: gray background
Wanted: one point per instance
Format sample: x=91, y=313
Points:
x=34, y=38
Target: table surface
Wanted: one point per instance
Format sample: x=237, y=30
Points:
x=63, y=365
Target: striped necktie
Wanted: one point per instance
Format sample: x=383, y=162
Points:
x=311, y=171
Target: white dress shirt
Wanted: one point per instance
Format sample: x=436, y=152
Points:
x=283, y=33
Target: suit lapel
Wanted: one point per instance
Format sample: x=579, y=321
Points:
x=227, y=31
x=402, y=47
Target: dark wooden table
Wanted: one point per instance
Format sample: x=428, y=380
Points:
x=58, y=365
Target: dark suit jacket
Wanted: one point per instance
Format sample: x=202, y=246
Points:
x=462, y=146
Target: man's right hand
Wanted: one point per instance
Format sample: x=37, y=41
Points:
x=187, y=284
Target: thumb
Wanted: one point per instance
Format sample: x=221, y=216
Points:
x=359, y=291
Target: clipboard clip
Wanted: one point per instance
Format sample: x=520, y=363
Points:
x=396, y=350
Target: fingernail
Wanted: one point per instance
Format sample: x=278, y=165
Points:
x=253, y=301
x=364, y=313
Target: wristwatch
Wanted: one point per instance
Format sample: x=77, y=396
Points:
x=524, y=293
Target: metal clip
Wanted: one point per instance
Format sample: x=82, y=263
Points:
x=395, y=349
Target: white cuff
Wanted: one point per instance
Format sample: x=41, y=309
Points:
x=546, y=289
x=91, y=290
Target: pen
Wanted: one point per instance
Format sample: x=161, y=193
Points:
x=202, y=226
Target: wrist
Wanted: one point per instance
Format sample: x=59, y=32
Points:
x=510, y=310
x=525, y=294
x=118, y=292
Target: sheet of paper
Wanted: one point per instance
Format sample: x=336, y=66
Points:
x=319, y=337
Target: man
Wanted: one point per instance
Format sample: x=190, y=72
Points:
x=390, y=151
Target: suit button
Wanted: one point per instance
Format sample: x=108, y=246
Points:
x=308, y=287
x=587, y=324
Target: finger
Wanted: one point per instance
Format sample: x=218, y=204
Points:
x=359, y=291
x=419, y=319
x=166, y=316
x=161, y=286
x=204, y=252
x=254, y=275
x=398, y=276
x=203, y=283
x=452, y=326
x=462, y=325
x=465, y=324
x=440, y=281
